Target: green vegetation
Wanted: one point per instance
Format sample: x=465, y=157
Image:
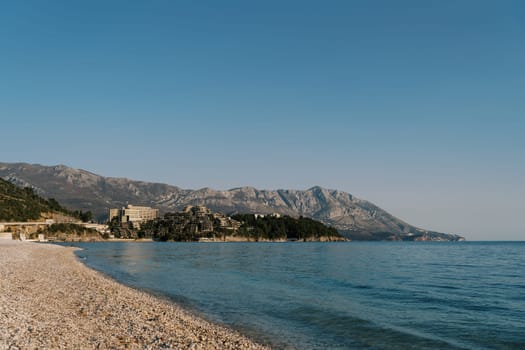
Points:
x=286, y=227
x=23, y=204
x=68, y=231
x=178, y=227
x=167, y=229
x=123, y=230
x=68, y=228
x=85, y=216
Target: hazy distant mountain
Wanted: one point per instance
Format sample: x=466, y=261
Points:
x=79, y=189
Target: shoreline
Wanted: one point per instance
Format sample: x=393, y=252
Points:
x=229, y=239
x=50, y=299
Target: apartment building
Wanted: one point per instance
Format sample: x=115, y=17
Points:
x=134, y=214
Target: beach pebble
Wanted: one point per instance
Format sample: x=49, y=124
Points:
x=50, y=300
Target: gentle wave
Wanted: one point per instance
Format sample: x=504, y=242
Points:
x=338, y=295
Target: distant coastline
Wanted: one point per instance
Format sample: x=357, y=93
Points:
x=354, y=218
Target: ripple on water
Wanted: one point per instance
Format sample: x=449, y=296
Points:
x=338, y=295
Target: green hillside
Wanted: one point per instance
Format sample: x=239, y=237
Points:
x=22, y=204
x=286, y=227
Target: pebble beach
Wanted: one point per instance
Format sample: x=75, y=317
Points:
x=50, y=300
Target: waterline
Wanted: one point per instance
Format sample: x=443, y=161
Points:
x=338, y=295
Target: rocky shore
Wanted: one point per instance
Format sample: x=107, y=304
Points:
x=50, y=300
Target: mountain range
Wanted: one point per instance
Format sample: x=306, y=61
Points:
x=79, y=189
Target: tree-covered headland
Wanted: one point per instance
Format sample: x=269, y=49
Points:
x=199, y=223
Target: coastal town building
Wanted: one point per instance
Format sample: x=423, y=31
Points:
x=196, y=210
x=199, y=219
x=274, y=215
x=201, y=213
x=134, y=214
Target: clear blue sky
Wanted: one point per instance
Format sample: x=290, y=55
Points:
x=417, y=106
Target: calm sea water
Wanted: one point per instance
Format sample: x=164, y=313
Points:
x=462, y=295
